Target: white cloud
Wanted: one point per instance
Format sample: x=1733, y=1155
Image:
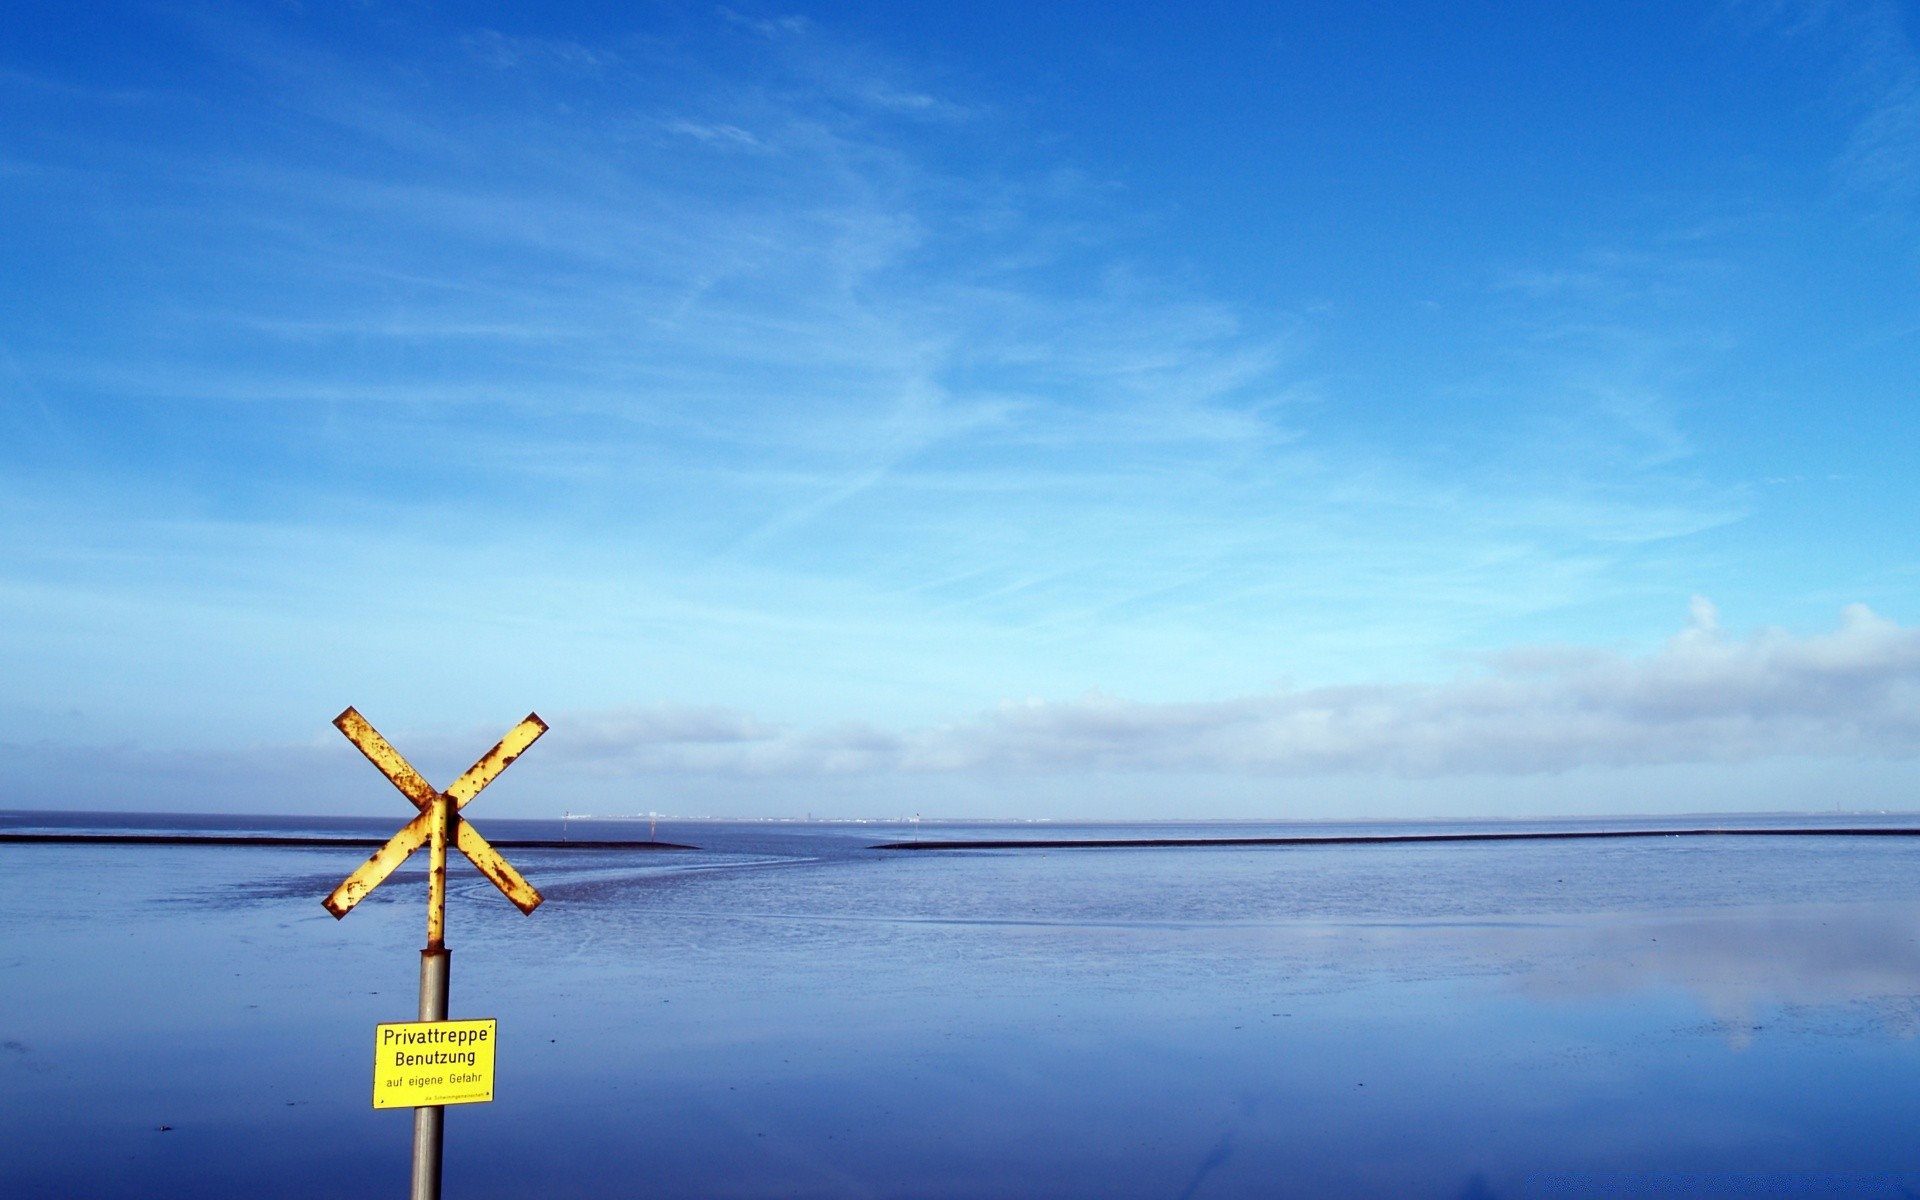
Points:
x=1703, y=698
x=1707, y=722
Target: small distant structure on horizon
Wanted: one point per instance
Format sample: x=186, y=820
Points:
x=652, y=819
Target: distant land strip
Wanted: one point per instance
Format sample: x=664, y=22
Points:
x=242, y=839
x=1359, y=839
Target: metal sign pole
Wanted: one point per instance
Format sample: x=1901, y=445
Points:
x=429, y=1121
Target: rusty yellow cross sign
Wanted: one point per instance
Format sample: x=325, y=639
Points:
x=438, y=823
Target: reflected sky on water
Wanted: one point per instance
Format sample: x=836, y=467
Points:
x=786, y=1013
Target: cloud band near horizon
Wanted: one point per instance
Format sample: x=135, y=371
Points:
x=1775, y=721
x=1702, y=698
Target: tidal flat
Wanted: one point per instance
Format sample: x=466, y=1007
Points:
x=787, y=1012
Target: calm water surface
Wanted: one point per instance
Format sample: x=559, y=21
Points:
x=787, y=1013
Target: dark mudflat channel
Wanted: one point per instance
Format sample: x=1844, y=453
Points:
x=1542, y=835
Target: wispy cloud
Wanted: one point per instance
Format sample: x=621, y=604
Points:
x=1883, y=156
x=768, y=27
x=1878, y=80
x=502, y=50
x=765, y=369
x=31, y=82
x=720, y=134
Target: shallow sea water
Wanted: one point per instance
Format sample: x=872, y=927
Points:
x=787, y=1013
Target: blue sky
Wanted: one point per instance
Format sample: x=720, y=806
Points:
x=1040, y=410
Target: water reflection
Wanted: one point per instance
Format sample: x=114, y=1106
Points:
x=1863, y=959
x=1821, y=967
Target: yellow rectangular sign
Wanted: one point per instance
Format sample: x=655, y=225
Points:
x=433, y=1062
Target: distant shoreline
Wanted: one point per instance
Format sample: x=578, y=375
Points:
x=1377, y=838
x=325, y=841
x=238, y=839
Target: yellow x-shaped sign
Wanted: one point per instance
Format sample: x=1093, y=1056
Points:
x=418, y=831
